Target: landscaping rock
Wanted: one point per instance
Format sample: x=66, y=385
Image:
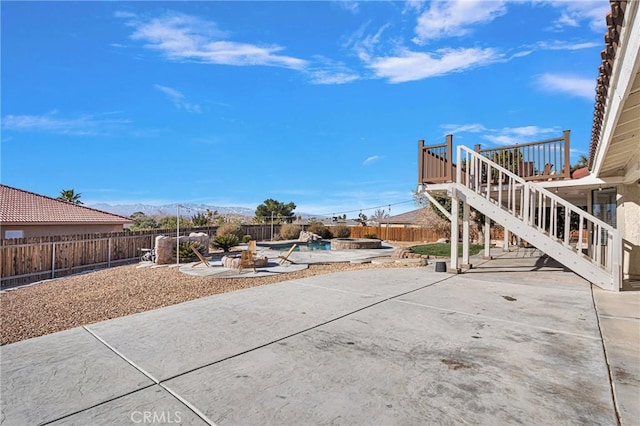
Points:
x=306, y=237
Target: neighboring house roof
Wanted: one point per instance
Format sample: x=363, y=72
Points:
x=615, y=132
x=23, y=207
x=408, y=217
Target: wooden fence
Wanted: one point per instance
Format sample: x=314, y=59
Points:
x=26, y=260
x=396, y=234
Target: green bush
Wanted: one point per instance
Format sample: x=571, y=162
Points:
x=186, y=253
x=246, y=238
x=289, y=231
x=225, y=242
x=230, y=229
x=371, y=236
x=341, y=231
x=318, y=228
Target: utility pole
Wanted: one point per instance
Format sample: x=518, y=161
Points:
x=178, y=236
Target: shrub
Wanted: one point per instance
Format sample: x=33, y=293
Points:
x=318, y=228
x=341, y=231
x=371, y=236
x=230, y=229
x=186, y=253
x=289, y=231
x=246, y=238
x=225, y=242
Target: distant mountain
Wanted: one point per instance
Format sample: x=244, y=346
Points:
x=170, y=209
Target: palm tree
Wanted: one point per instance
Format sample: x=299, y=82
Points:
x=583, y=161
x=70, y=196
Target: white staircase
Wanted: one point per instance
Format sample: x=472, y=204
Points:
x=578, y=240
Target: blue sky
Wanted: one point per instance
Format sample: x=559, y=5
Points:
x=319, y=103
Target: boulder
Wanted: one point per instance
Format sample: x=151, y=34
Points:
x=306, y=237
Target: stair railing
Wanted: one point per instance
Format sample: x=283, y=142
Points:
x=540, y=208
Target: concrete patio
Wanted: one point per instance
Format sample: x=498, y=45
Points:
x=516, y=340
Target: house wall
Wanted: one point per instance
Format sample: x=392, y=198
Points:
x=47, y=230
x=628, y=218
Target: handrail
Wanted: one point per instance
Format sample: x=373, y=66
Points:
x=531, y=204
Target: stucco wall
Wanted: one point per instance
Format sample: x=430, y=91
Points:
x=47, y=230
x=628, y=217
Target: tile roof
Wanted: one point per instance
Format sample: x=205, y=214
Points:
x=19, y=206
x=614, y=20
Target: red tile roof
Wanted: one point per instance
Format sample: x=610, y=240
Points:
x=614, y=19
x=19, y=206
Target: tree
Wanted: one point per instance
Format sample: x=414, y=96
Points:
x=70, y=196
x=142, y=221
x=201, y=219
x=169, y=222
x=362, y=219
x=281, y=212
x=379, y=216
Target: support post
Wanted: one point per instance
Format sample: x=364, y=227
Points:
x=487, y=237
x=421, y=177
x=567, y=159
x=449, y=164
x=53, y=259
x=454, y=231
x=505, y=243
x=465, y=235
x=109, y=255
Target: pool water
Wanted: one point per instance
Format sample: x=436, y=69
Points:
x=316, y=245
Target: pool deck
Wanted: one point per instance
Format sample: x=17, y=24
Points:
x=515, y=340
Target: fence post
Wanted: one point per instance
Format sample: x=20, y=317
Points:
x=109, y=255
x=53, y=259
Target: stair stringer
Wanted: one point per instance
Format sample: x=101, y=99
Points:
x=570, y=259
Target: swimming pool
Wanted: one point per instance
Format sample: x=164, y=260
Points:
x=312, y=246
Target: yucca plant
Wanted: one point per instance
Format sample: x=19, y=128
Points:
x=225, y=242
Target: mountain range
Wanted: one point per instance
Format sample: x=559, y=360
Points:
x=186, y=210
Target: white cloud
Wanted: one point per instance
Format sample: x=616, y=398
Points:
x=348, y=5
x=178, y=99
x=565, y=45
x=181, y=37
x=370, y=160
x=572, y=85
x=411, y=66
x=572, y=13
x=463, y=128
x=455, y=17
x=51, y=123
x=518, y=135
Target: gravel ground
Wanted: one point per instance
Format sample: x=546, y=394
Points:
x=69, y=302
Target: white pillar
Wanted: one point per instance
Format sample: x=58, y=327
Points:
x=505, y=245
x=454, y=232
x=465, y=234
x=487, y=237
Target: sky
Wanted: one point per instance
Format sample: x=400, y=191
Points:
x=317, y=103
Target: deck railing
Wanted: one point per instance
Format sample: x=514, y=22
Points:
x=542, y=160
x=435, y=162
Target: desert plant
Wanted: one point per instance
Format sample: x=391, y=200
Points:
x=186, y=253
x=225, y=242
x=371, y=236
x=230, y=228
x=289, y=231
x=246, y=238
x=318, y=228
x=341, y=231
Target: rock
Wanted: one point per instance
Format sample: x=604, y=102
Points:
x=233, y=261
x=400, y=253
x=443, y=240
x=306, y=237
